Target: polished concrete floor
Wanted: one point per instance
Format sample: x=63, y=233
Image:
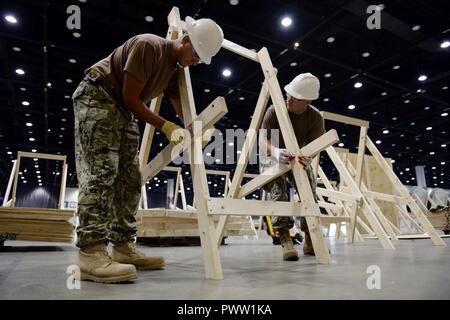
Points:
x=252, y=269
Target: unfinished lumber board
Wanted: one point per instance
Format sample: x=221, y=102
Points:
x=427, y=226
x=301, y=179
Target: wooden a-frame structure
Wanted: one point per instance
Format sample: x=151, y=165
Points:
x=382, y=228
x=205, y=206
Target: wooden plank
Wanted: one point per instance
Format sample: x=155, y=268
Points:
x=240, y=50
x=15, y=181
x=407, y=217
x=344, y=119
x=321, y=143
x=300, y=176
x=177, y=188
x=40, y=211
x=361, y=153
x=384, y=197
x=337, y=209
x=211, y=258
x=333, y=219
x=10, y=183
x=427, y=226
x=217, y=172
x=41, y=156
x=328, y=210
x=183, y=194
x=264, y=178
x=338, y=195
x=213, y=113
x=239, y=207
x=274, y=172
x=149, y=132
x=62, y=190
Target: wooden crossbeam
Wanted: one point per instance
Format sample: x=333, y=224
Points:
x=344, y=119
x=385, y=197
x=338, y=195
x=239, y=207
x=310, y=150
x=213, y=113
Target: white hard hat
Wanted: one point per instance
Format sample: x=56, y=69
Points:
x=206, y=37
x=305, y=86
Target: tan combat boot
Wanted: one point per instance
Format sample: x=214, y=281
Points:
x=128, y=253
x=289, y=252
x=96, y=265
x=307, y=245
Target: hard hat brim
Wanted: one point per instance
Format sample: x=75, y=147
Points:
x=292, y=93
x=189, y=27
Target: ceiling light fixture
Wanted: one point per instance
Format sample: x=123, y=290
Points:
x=286, y=22
x=422, y=78
x=11, y=19
x=445, y=44
x=226, y=73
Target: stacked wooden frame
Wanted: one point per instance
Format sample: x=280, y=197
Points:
x=35, y=224
x=380, y=225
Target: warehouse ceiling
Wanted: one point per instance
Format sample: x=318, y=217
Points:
x=402, y=71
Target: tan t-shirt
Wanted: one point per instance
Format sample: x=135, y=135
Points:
x=149, y=58
x=307, y=126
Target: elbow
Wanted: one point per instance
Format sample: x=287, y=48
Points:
x=130, y=102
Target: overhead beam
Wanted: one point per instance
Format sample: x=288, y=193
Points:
x=344, y=119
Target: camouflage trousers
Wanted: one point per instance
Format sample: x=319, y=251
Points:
x=278, y=189
x=107, y=164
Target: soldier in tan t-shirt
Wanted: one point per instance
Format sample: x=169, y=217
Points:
x=308, y=125
x=115, y=90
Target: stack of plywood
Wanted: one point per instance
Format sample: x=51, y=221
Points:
x=161, y=222
x=374, y=178
x=440, y=219
x=35, y=224
x=240, y=226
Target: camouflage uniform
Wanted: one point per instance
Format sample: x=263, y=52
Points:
x=106, y=144
x=278, y=189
